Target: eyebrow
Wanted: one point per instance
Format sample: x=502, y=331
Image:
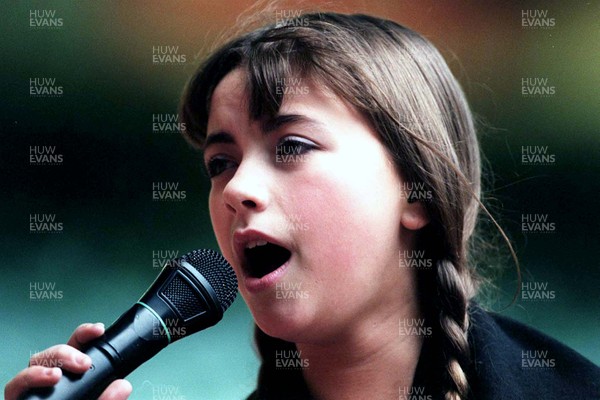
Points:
x=279, y=121
x=218, y=137
x=268, y=126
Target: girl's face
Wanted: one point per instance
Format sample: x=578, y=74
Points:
x=308, y=210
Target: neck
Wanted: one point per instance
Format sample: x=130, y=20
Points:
x=372, y=361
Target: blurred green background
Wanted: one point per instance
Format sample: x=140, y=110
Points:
x=101, y=192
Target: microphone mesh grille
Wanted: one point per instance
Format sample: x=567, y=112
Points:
x=217, y=272
x=184, y=299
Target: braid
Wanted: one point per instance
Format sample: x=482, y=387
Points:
x=454, y=291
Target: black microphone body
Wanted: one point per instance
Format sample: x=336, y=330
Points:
x=190, y=294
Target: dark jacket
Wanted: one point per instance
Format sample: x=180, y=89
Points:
x=510, y=361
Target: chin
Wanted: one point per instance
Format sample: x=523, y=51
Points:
x=287, y=321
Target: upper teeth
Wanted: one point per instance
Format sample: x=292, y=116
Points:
x=255, y=243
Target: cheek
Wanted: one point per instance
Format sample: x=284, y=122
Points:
x=219, y=220
x=353, y=212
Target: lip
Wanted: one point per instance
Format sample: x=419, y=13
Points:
x=252, y=284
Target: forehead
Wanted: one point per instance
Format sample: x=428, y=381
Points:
x=230, y=93
x=230, y=99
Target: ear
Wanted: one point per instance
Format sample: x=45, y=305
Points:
x=414, y=216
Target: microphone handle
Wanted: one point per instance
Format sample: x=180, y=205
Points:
x=138, y=335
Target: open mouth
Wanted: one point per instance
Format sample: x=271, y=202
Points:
x=262, y=258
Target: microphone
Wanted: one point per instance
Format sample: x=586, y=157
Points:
x=190, y=294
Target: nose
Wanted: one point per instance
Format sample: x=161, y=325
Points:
x=247, y=190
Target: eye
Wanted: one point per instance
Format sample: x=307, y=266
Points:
x=218, y=164
x=293, y=147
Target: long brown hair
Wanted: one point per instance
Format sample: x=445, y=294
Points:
x=402, y=84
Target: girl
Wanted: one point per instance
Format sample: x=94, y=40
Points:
x=345, y=178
